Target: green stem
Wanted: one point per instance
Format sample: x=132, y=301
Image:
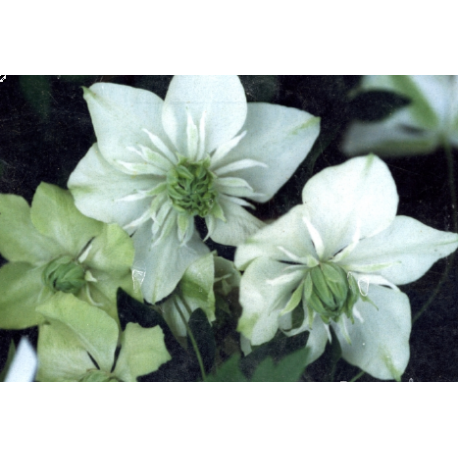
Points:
x=194, y=344
x=451, y=183
x=357, y=376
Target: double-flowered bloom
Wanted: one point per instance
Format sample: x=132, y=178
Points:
x=429, y=121
x=335, y=262
x=201, y=152
x=53, y=248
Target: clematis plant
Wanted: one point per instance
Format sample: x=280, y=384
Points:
x=335, y=262
x=53, y=248
x=201, y=152
x=78, y=343
x=428, y=122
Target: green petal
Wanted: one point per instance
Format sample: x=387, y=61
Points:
x=54, y=214
x=197, y=285
x=95, y=331
x=142, y=351
x=19, y=239
x=61, y=356
x=21, y=291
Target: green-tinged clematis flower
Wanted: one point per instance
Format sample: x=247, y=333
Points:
x=428, y=122
x=335, y=262
x=53, y=248
x=201, y=152
x=206, y=276
x=78, y=343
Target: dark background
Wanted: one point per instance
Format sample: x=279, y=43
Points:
x=45, y=129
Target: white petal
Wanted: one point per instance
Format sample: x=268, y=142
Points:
x=221, y=99
x=287, y=233
x=408, y=248
x=379, y=345
x=277, y=136
x=359, y=192
x=239, y=224
x=262, y=302
x=238, y=165
x=160, y=267
x=98, y=189
x=119, y=115
x=24, y=365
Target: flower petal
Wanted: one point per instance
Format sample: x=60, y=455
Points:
x=407, y=248
x=391, y=137
x=90, y=328
x=24, y=365
x=277, y=136
x=55, y=215
x=19, y=239
x=261, y=301
x=379, y=345
x=288, y=234
x=159, y=267
x=142, y=351
x=216, y=104
x=357, y=195
x=119, y=115
x=98, y=189
x=239, y=224
x=21, y=290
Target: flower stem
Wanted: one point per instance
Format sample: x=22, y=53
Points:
x=194, y=345
x=357, y=376
x=451, y=183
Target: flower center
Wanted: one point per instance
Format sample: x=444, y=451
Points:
x=64, y=274
x=330, y=292
x=96, y=375
x=190, y=187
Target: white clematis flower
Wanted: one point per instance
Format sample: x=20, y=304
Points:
x=335, y=262
x=200, y=152
x=430, y=120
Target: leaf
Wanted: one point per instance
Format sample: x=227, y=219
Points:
x=228, y=372
x=289, y=369
x=376, y=105
x=203, y=335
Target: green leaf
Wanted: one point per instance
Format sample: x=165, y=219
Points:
x=19, y=239
x=289, y=369
x=203, y=334
x=376, y=105
x=142, y=352
x=21, y=291
x=54, y=214
x=229, y=371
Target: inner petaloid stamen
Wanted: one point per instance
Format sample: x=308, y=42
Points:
x=64, y=274
x=190, y=186
x=325, y=290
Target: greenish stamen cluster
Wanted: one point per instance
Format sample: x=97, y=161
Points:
x=190, y=187
x=64, y=274
x=330, y=292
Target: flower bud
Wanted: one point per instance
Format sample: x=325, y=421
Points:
x=64, y=274
x=329, y=293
